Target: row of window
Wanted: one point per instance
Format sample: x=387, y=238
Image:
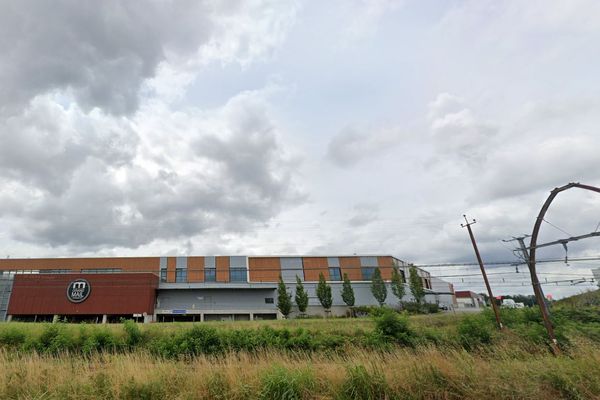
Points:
x=239, y=275
x=210, y=275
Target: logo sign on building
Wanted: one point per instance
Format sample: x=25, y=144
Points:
x=78, y=290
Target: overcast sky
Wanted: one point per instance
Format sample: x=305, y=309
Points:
x=281, y=127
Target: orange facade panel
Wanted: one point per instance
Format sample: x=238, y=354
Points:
x=385, y=264
x=171, y=263
x=264, y=269
x=351, y=266
x=222, y=266
x=313, y=266
x=195, y=269
x=126, y=264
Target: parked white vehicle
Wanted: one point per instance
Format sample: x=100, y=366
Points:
x=510, y=303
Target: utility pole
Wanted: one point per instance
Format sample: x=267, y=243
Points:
x=485, y=279
x=539, y=295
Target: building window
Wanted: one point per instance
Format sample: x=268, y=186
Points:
x=101, y=271
x=367, y=273
x=237, y=275
x=402, y=275
x=210, y=275
x=335, y=274
x=269, y=300
x=180, y=275
x=163, y=275
x=55, y=271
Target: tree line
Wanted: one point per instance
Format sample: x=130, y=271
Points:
x=324, y=294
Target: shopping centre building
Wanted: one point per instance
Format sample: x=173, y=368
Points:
x=191, y=288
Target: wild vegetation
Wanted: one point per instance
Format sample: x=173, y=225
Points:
x=385, y=356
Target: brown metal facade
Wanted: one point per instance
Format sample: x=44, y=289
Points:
x=222, y=266
x=351, y=266
x=313, y=266
x=264, y=269
x=195, y=269
x=131, y=264
x=261, y=269
x=113, y=294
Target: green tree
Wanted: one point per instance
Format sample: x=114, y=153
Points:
x=416, y=285
x=284, y=300
x=348, y=292
x=397, y=284
x=324, y=293
x=378, y=287
x=301, y=296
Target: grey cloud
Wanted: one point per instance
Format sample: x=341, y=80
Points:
x=100, y=53
x=352, y=144
x=46, y=144
x=235, y=177
x=458, y=132
x=363, y=214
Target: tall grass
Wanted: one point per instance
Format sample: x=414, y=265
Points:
x=425, y=373
x=390, y=357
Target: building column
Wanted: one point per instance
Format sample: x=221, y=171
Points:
x=104, y=318
x=147, y=319
x=55, y=319
x=8, y=318
x=251, y=316
x=202, y=317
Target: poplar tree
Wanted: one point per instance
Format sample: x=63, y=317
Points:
x=416, y=285
x=324, y=293
x=348, y=292
x=397, y=284
x=378, y=287
x=301, y=296
x=284, y=300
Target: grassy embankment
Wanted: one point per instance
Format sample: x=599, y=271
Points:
x=423, y=357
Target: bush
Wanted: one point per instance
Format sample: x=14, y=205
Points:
x=55, y=339
x=473, y=331
x=200, y=340
x=100, y=340
x=133, y=333
x=12, y=337
x=393, y=325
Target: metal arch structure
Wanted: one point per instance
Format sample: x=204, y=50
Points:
x=532, y=250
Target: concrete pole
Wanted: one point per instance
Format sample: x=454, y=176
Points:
x=485, y=279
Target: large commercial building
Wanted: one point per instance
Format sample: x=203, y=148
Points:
x=191, y=288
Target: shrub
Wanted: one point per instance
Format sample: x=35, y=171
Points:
x=133, y=333
x=12, y=337
x=474, y=331
x=100, y=340
x=362, y=385
x=393, y=325
x=200, y=340
x=364, y=311
x=412, y=307
x=54, y=340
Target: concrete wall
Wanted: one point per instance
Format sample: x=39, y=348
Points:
x=253, y=300
x=216, y=299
